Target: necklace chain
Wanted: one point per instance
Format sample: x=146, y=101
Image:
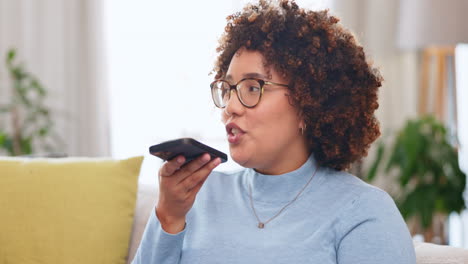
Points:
x=262, y=224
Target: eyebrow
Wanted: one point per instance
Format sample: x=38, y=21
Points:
x=248, y=75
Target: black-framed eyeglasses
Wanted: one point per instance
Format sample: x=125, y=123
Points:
x=249, y=91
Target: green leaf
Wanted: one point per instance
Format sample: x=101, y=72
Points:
x=3, y=138
x=394, y=158
x=8, y=145
x=18, y=73
x=26, y=145
x=421, y=202
x=21, y=92
x=43, y=131
x=11, y=55
x=38, y=87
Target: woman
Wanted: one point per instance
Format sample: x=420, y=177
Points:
x=298, y=101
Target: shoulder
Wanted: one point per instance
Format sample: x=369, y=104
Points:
x=359, y=201
x=343, y=179
x=365, y=205
x=353, y=191
x=369, y=214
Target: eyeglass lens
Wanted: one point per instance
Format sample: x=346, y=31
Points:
x=248, y=92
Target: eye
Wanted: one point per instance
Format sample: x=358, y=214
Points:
x=253, y=89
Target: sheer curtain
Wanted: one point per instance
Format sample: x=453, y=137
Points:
x=60, y=43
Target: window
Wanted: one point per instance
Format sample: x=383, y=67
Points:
x=458, y=233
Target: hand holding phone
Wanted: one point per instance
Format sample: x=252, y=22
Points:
x=178, y=186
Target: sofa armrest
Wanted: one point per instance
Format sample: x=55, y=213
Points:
x=428, y=253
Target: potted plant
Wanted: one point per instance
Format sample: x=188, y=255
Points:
x=26, y=124
x=430, y=181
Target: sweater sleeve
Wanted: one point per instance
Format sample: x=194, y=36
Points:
x=373, y=231
x=157, y=246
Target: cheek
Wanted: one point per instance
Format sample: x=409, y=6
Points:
x=281, y=121
x=268, y=122
x=224, y=117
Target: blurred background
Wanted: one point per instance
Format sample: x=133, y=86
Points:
x=111, y=78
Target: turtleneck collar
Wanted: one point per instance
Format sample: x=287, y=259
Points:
x=283, y=187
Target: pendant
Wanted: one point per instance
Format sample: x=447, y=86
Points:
x=261, y=225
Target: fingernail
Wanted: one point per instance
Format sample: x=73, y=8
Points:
x=217, y=161
x=205, y=157
x=180, y=160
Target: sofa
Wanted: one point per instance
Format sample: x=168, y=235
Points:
x=134, y=202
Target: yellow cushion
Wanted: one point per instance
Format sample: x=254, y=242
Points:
x=66, y=210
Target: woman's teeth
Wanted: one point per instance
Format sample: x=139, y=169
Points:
x=235, y=131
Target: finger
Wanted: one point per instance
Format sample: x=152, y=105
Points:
x=195, y=181
x=171, y=166
x=191, y=167
x=194, y=190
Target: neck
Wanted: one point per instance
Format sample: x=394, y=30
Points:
x=280, y=188
x=288, y=161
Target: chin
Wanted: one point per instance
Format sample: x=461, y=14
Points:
x=240, y=158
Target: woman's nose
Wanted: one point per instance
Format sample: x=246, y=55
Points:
x=233, y=105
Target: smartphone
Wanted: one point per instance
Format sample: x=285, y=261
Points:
x=188, y=147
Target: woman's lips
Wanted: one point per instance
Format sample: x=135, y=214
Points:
x=234, y=133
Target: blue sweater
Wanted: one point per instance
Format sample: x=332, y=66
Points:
x=337, y=219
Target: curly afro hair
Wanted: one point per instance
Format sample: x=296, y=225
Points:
x=332, y=85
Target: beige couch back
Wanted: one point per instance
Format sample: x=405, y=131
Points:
x=146, y=201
